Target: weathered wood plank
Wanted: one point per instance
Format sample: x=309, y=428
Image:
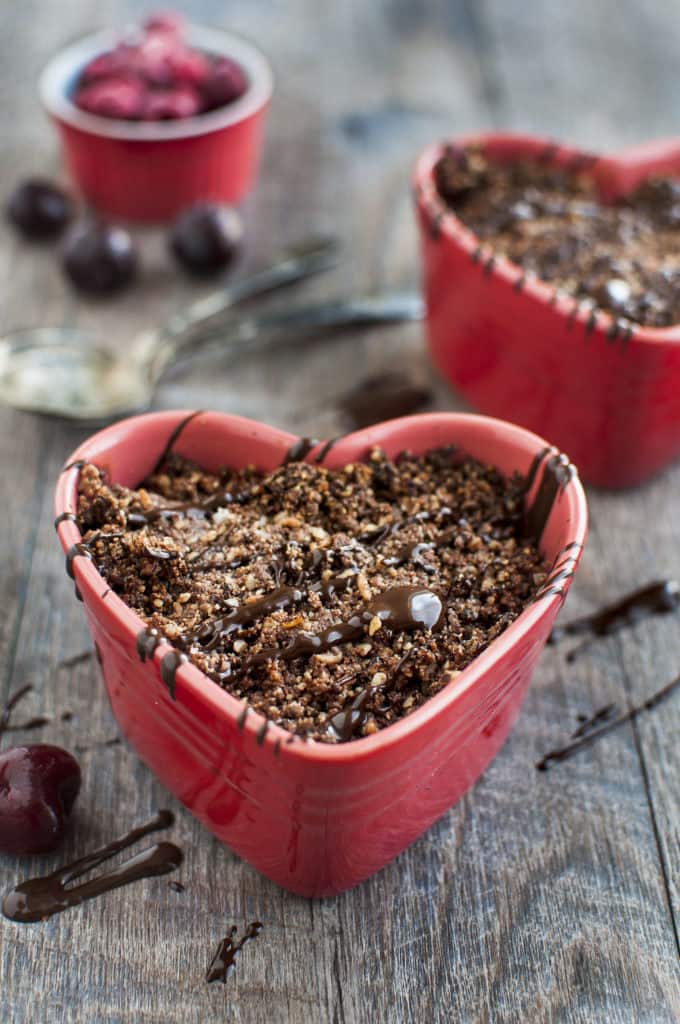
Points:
x=539, y=897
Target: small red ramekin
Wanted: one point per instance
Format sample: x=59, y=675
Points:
x=317, y=819
x=150, y=170
x=605, y=391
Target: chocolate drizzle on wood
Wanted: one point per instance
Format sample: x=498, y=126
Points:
x=39, y=898
x=658, y=598
x=222, y=964
x=601, y=723
x=9, y=707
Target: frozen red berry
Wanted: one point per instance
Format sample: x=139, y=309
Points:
x=169, y=104
x=119, y=96
x=206, y=237
x=99, y=259
x=165, y=21
x=38, y=787
x=39, y=209
x=106, y=65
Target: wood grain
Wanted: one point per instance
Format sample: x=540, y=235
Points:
x=540, y=897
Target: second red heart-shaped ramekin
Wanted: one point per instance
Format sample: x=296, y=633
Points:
x=318, y=818
x=606, y=392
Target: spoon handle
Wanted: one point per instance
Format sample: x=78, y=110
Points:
x=309, y=256
x=247, y=333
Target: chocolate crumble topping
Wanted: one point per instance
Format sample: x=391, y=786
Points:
x=332, y=601
x=623, y=257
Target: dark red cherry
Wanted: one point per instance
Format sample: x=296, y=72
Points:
x=225, y=82
x=38, y=787
x=206, y=237
x=99, y=259
x=39, y=209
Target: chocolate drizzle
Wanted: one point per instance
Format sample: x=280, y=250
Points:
x=170, y=662
x=299, y=450
x=320, y=456
x=174, y=436
x=10, y=706
x=558, y=472
x=398, y=609
x=76, y=551
x=39, y=898
x=64, y=517
x=222, y=964
x=601, y=723
x=245, y=615
x=658, y=598
x=146, y=642
x=350, y=721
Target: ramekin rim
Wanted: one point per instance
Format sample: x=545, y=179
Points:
x=55, y=100
x=191, y=677
x=429, y=202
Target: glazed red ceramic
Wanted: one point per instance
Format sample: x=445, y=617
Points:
x=606, y=392
x=313, y=817
x=149, y=171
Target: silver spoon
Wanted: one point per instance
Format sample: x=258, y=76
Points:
x=61, y=370
x=50, y=370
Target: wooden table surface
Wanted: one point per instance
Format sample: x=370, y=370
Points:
x=539, y=897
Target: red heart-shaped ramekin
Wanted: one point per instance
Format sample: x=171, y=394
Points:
x=318, y=818
x=606, y=392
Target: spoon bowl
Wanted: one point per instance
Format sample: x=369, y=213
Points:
x=63, y=372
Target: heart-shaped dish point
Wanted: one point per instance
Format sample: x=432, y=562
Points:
x=318, y=818
x=606, y=391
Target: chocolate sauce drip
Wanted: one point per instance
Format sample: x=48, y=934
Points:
x=381, y=397
x=145, y=517
x=557, y=474
x=561, y=571
x=170, y=662
x=399, y=609
x=76, y=551
x=299, y=451
x=377, y=536
x=76, y=659
x=351, y=720
x=174, y=436
x=10, y=706
x=85, y=748
x=63, y=518
x=222, y=964
x=245, y=615
x=658, y=598
x=39, y=898
x=33, y=723
x=146, y=642
x=598, y=718
x=320, y=456
x=591, y=730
